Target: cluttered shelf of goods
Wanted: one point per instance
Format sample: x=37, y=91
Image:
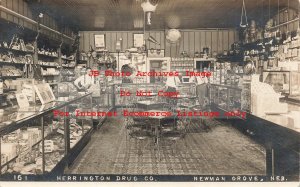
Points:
x=82, y=95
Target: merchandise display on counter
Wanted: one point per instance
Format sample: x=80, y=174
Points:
x=226, y=73
x=106, y=59
x=66, y=90
x=44, y=92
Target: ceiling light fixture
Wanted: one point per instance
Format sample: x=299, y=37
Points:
x=148, y=9
x=244, y=14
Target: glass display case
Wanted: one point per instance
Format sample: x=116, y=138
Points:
x=157, y=65
x=182, y=64
x=295, y=84
x=246, y=94
x=43, y=138
x=279, y=80
x=225, y=97
x=103, y=102
x=226, y=73
x=66, y=91
x=286, y=82
x=201, y=64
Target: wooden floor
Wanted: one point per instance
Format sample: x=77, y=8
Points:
x=220, y=150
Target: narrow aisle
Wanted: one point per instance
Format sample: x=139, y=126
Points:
x=220, y=151
x=100, y=153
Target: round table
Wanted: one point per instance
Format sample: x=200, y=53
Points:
x=156, y=126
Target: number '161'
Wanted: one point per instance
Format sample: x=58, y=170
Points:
x=20, y=178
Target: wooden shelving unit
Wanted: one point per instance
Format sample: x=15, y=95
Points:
x=182, y=64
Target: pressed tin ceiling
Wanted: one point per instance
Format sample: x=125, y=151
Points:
x=118, y=15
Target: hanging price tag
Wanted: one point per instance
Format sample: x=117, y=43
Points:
x=49, y=146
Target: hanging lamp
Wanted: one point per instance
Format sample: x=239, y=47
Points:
x=244, y=14
x=148, y=9
x=261, y=41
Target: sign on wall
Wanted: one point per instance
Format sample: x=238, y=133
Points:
x=99, y=40
x=138, y=40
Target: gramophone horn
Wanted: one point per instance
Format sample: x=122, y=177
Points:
x=151, y=39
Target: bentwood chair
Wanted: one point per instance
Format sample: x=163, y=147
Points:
x=169, y=124
x=137, y=128
x=177, y=131
x=142, y=138
x=202, y=105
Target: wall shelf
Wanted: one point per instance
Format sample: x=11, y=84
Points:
x=283, y=24
x=15, y=50
x=24, y=18
x=48, y=56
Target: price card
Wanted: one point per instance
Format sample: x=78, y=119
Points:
x=49, y=146
x=22, y=100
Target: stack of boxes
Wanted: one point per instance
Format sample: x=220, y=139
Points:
x=19, y=144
